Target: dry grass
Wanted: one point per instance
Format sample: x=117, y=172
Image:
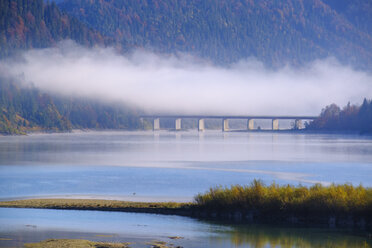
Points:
x=88, y=204
x=273, y=199
x=318, y=199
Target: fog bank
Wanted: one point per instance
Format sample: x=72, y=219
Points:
x=182, y=84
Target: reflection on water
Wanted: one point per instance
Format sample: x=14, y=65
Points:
x=260, y=236
x=141, y=148
x=33, y=225
x=174, y=165
x=169, y=166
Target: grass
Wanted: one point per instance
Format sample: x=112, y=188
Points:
x=271, y=202
x=89, y=204
x=275, y=199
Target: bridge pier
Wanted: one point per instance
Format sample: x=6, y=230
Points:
x=275, y=124
x=142, y=123
x=156, y=125
x=201, y=125
x=178, y=124
x=298, y=124
x=250, y=124
x=225, y=125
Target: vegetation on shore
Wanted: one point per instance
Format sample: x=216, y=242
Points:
x=274, y=203
x=349, y=118
x=89, y=204
x=274, y=199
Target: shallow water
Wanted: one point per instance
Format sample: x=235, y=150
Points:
x=33, y=225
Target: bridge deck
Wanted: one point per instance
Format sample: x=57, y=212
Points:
x=232, y=117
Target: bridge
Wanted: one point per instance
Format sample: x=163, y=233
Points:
x=225, y=120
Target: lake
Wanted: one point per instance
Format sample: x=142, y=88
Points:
x=169, y=166
x=33, y=225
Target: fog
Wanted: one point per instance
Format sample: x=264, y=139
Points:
x=187, y=85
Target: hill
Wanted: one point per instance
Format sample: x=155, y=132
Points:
x=277, y=33
x=28, y=24
x=357, y=12
x=225, y=31
x=24, y=109
x=350, y=118
x=34, y=24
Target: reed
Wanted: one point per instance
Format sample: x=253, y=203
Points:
x=335, y=199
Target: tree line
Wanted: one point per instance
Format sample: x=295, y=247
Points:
x=349, y=118
x=24, y=109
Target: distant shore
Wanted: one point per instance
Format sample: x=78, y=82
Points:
x=281, y=131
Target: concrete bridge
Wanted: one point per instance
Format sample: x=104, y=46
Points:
x=225, y=120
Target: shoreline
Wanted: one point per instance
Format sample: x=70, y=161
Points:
x=123, y=198
x=192, y=210
x=86, y=243
x=166, y=208
x=280, y=131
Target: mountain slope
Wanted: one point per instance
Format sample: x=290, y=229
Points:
x=28, y=24
x=276, y=32
x=358, y=12
x=225, y=31
x=33, y=24
x=24, y=109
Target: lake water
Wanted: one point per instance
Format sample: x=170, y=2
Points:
x=174, y=166
x=33, y=225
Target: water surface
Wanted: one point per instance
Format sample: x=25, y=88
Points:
x=174, y=165
x=34, y=225
x=165, y=166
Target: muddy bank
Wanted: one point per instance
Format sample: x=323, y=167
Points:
x=82, y=243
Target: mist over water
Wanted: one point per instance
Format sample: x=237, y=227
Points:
x=186, y=85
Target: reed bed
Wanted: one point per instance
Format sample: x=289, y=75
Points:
x=335, y=199
x=272, y=203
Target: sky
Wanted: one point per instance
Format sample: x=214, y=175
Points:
x=181, y=84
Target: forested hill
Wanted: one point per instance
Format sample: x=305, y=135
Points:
x=26, y=24
x=277, y=33
x=357, y=12
x=352, y=118
x=24, y=109
x=225, y=31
